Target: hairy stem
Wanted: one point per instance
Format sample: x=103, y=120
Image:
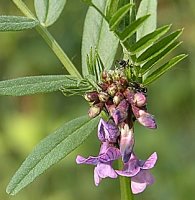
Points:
x=125, y=185
x=49, y=40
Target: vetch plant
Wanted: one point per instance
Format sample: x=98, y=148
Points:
x=116, y=90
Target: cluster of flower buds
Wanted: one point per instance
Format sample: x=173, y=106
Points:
x=124, y=102
x=121, y=99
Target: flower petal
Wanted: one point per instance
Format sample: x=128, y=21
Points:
x=101, y=133
x=150, y=162
x=131, y=168
x=141, y=180
x=112, y=153
x=126, y=142
x=107, y=131
x=105, y=170
x=97, y=179
x=137, y=187
x=146, y=120
x=90, y=160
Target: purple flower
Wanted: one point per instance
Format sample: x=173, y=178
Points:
x=144, y=118
x=103, y=162
x=121, y=112
x=108, y=131
x=139, y=172
x=126, y=142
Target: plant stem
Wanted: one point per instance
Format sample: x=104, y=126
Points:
x=49, y=40
x=125, y=185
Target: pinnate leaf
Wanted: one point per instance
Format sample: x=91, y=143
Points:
x=148, y=65
x=148, y=39
x=36, y=84
x=96, y=35
x=111, y=8
x=161, y=70
x=147, y=7
x=48, y=11
x=132, y=28
x=158, y=47
x=118, y=16
x=51, y=150
x=16, y=23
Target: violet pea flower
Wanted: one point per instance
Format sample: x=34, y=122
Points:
x=103, y=162
x=108, y=131
x=139, y=172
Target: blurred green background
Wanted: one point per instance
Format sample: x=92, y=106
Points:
x=26, y=120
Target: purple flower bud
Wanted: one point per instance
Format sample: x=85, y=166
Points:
x=139, y=99
x=95, y=110
x=92, y=97
x=103, y=96
x=146, y=119
x=126, y=142
x=129, y=94
x=108, y=131
x=121, y=112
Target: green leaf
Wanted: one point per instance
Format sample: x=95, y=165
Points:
x=95, y=65
x=148, y=65
x=161, y=70
x=132, y=28
x=36, y=84
x=51, y=150
x=158, y=47
x=147, y=7
x=16, y=23
x=148, y=39
x=116, y=18
x=80, y=88
x=96, y=35
x=111, y=8
x=48, y=11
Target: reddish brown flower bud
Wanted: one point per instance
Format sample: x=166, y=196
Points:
x=92, y=97
x=112, y=89
x=118, y=98
x=95, y=110
x=103, y=96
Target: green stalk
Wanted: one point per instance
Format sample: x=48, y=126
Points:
x=125, y=185
x=49, y=40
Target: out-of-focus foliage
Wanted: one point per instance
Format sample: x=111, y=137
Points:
x=25, y=120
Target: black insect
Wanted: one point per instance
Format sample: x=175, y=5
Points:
x=137, y=87
x=123, y=63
